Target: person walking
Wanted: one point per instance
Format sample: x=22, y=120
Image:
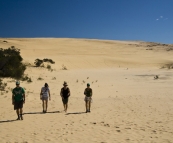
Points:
x=18, y=99
x=65, y=93
x=44, y=95
x=88, y=97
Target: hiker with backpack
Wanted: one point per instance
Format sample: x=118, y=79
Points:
x=88, y=97
x=18, y=99
x=44, y=95
x=65, y=93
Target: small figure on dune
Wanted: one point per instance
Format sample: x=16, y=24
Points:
x=88, y=97
x=18, y=99
x=65, y=93
x=44, y=95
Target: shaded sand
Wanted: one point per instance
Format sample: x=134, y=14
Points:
x=129, y=105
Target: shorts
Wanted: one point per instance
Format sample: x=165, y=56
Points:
x=18, y=105
x=87, y=98
x=65, y=100
x=44, y=98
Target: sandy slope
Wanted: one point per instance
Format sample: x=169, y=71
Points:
x=128, y=104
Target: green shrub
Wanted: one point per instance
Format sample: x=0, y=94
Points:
x=64, y=67
x=29, y=80
x=2, y=85
x=49, y=61
x=26, y=78
x=39, y=62
x=49, y=67
x=39, y=78
x=11, y=63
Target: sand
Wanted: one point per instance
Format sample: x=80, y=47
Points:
x=129, y=105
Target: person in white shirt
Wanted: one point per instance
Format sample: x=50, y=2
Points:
x=44, y=95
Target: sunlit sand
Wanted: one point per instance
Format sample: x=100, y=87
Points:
x=129, y=104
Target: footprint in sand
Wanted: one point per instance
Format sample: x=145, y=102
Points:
x=128, y=128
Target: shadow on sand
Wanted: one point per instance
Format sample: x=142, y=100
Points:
x=7, y=121
x=42, y=112
x=76, y=113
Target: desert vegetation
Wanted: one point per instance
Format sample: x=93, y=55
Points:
x=11, y=63
x=39, y=62
x=2, y=85
x=26, y=78
x=168, y=66
x=64, y=67
x=40, y=78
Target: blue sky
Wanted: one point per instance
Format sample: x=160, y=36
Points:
x=146, y=20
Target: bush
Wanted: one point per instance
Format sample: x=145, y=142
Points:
x=26, y=78
x=48, y=67
x=29, y=80
x=39, y=62
x=64, y=67
x=49, y=61
x=2, y=85
x=39, y=78
x=11, y=63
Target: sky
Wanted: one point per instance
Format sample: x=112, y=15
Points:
x=143, y=20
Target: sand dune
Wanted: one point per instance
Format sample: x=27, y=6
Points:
x=129, y=105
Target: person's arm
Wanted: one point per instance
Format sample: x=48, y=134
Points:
x=61, y=94
x=91, y=92
x=68, y=92
x=12, y=98
x=49, y=95
x=85, y=92
x=41, y=94
x=23, y=95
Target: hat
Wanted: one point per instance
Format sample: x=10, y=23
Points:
x=65, y=83
x=88, y=84
x=46, y=85
x=17, y=82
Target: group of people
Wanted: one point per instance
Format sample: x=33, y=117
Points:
x=18, y=98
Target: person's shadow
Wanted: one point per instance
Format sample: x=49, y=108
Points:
x=75, y=113
x=6, y=121
x=41, y=112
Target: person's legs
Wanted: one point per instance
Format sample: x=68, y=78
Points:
x=89, y=105
x=21, y=113
x=43, y=104
x=17, y=112
x=46, y=105
x=86, y=105
x=66, y=106
x=63, y=103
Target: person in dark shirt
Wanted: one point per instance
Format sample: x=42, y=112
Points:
x=65, y=93
x=88, y=97
x=18, y=99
